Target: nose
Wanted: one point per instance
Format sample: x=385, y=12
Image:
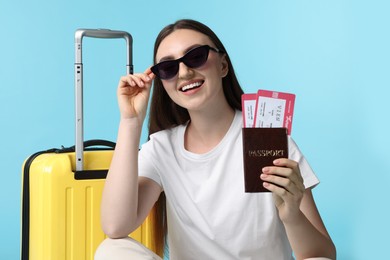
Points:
x=185, y=72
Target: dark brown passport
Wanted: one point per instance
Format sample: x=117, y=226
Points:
x=261, y=146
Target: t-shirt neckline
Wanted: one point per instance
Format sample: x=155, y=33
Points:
x=213, y=152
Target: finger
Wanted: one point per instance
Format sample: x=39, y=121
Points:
x=285, y=183
x=282, y=172
x=150, y=73
x=292, y=194
x=126, y=81
x=136, y=80
x=279, y=191
x=147, y=77
x=287, y=168
x=283, y=162
x=139, y=80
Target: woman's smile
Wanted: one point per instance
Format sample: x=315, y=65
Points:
x=191, y=86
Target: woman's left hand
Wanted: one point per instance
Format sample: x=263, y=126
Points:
x=284, y=180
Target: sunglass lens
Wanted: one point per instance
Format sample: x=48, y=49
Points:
x=166, y=69
x=196, y=57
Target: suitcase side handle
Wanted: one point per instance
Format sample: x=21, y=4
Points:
x=78, y=70
x=99, y=142
x=95, y=144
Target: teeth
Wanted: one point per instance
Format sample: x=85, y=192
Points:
x=190, y=86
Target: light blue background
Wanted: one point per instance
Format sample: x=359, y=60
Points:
x=333, y=54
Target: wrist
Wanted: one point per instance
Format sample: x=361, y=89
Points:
x=130, y=128
x=133, y=122
x=294, y=219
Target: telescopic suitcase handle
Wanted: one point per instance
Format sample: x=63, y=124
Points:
x=78, y=70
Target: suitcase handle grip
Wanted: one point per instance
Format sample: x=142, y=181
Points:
x=103, y=34
x=78, y=70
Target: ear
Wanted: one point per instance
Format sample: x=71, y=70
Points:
x=225, y=66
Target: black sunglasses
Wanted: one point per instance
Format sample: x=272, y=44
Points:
x=192, y=59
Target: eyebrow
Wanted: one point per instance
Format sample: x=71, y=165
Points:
x=170, y=57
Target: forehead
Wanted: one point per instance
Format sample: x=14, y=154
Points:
x=179, y=41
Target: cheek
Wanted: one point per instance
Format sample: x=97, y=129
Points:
x=170, y=88
x=169, y=85
x=211, y=72
x=213, y=67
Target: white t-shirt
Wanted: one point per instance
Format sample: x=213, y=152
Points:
x=209, y=214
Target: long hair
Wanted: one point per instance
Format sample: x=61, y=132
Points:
x=165, y=114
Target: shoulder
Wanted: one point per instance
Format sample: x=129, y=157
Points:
x=293, y=149
x=163, y=139
x=294, y=153
x=166, y=135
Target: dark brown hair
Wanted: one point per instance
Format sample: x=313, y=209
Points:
x=165, y=114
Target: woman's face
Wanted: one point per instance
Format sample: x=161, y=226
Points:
x=193, y=89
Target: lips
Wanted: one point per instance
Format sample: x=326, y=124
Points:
x=191, y=86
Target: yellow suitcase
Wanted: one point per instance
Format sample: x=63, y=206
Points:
x=62, y=188
x=61, y=209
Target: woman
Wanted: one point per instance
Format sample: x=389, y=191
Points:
x=194, y=157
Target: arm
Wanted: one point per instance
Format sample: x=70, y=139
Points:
x=305, y=230
x=308, y=235
x=127, y=199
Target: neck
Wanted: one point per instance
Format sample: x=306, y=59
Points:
x=207, y=129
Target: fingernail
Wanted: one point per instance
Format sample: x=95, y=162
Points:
x=265, y=169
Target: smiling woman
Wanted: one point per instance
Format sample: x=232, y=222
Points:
x=334, y=55
x=192, y=166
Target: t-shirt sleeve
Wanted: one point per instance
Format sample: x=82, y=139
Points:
x=146, y=167
x=309, y=178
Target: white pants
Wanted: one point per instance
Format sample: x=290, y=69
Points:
x=128, y=249
x=124, y=248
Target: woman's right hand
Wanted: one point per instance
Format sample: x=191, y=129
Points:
x=133, y=95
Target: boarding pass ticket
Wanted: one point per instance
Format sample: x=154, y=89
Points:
x=268, y=109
